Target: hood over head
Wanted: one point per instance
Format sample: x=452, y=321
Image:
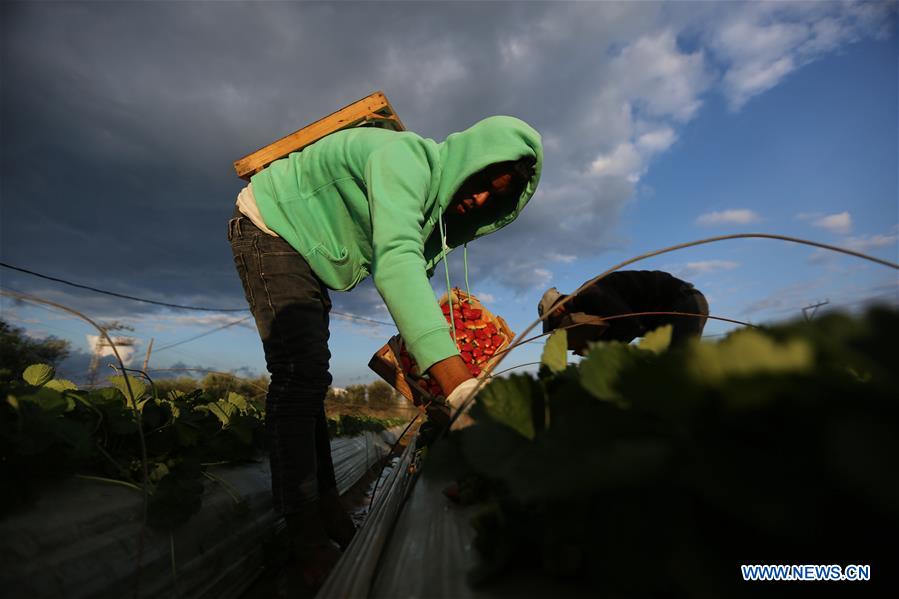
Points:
x=493, y=140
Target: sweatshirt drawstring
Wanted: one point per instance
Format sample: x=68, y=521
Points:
x=465, y=261
x=449, y=289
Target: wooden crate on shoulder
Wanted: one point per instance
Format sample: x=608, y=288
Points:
x=373, y=110
x=386, y=361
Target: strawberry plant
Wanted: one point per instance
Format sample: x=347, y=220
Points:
x=648, y=471
x=49, y=428
x=350, y=425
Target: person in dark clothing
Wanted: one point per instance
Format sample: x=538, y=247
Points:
x=626, y=292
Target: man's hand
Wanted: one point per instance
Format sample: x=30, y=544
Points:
x=461, y=392
x=449, y=373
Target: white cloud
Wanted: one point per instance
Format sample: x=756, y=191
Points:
x=624, y=161
x=840, y=223
x=351, y=326
x=163, y=322
x=657, y=140
x=740, y=216
x=864, y=243
x=524, y=276
x=760, y=43
x=747, y=80
x=860, y=243
x=125, y=346
x=659, y=78
x=630, y=160
x=704, y=267
x=563, y=258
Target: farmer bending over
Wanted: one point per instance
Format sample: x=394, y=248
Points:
x=626, y=292
x=361, y=202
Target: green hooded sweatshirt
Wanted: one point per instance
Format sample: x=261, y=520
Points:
x=367, y=201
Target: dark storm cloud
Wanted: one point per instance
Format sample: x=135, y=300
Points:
x=120, y=122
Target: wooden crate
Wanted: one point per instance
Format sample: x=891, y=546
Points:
x=386, y=364
x=374, y=110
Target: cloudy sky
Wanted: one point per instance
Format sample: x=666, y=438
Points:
x=662, y=123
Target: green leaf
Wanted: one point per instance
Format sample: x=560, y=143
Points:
x=138, y=388
x=492, y=449
x=154, y=413
x=38, y=374
x=48, y=401
x=243, y=427
x=509, y=402
x=221, y=410
x=238, y=400
x=119, y=419
x=62, y=385
x=748, y=353
x=106, y=396
x=555, y=351
x=188, y=432
x=602, y=367
x=658, y=340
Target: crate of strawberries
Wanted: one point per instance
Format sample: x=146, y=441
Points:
x=480, y=337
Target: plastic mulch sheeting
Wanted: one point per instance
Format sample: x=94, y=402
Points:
x=420, y=544
x=353, y=575
x=430, y=549
x=353, y=456
x=81, y=538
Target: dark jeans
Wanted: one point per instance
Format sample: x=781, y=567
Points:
x=291, y=306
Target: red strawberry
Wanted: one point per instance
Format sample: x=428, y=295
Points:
x=474, y=369
x=471, y=314
x=497, y=340
x=459, y=324
x=478, y=352
x=452, y=493
x=491, y=328
x=466, y=357
x=466, y=347
x=481, y=334
x=445, y=308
